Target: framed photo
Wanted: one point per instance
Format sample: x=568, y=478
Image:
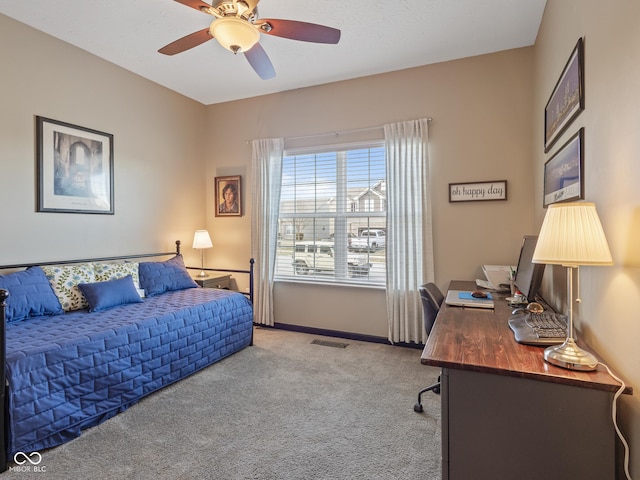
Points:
x=75, y=168
x=564, y=172
x=567, y=99
x=478, y=191
x=228, y=196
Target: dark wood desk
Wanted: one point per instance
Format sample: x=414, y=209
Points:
x=506, y=413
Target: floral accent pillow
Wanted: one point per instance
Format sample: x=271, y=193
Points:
x=114, y=271
x=64, y=280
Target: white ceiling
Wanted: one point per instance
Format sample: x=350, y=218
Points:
x=377, y=36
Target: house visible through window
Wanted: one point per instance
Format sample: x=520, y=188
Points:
x=332, y=222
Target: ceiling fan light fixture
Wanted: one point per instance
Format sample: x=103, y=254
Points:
x=234, y=34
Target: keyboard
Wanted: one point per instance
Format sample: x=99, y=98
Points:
x=542, y=329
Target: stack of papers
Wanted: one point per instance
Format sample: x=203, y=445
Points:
x=497, y=277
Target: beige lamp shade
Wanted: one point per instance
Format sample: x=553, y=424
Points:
x=572, y=235
x=201, y=239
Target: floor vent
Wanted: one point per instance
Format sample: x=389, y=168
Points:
x=327, y=343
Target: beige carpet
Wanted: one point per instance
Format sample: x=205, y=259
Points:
x=285, y=408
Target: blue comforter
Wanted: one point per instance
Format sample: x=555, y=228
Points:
x=73, y=371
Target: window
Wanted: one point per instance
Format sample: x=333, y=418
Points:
x=332, y=221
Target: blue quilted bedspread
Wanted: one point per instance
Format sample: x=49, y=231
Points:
x=73, y=371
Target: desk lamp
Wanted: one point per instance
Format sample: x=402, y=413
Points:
x=202, y=240
x=571, y=235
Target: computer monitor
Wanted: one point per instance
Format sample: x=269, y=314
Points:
x=529, y=274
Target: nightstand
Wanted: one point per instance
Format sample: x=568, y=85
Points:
x=214, y=281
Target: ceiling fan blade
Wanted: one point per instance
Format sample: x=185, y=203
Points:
x=259, y=60
x=197, y=4
x=306, y=32
x=185, y=43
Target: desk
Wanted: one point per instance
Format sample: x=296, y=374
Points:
x=506, y=413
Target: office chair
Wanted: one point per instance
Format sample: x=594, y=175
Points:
x=432, y=298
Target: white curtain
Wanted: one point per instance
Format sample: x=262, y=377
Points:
x=267, y=179
x=409, y=235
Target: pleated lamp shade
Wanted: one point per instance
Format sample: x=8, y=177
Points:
x=572, y=235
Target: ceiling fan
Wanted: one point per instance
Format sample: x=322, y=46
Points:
x=238, y=29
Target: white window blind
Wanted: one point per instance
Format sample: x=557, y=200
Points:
x=332, y=221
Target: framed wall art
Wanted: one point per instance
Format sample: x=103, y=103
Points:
x=564, y=172
x=74, y=168
x=228, y=196
x=567, y=99
x=477, y=191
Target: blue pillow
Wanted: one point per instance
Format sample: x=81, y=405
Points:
x=160, y=277
x=103, y=295
x=30, y=295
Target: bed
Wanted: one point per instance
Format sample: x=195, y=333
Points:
x=77, y=363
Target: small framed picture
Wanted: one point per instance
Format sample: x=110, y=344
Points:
x=564, y=172
x=75, y=168
x=229, y=196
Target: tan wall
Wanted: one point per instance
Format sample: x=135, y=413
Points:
x=159, y=189
x=164, y=142
x=481, y=131
x=608, y=315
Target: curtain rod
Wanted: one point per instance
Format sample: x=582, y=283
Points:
x=338, y=133
x=342, y=132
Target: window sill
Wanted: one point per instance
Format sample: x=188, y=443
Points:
x=332, y=283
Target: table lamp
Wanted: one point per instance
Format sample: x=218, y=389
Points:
x=202, y=240
x=571, y=235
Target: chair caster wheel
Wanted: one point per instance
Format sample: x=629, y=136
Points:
x=418, y=408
